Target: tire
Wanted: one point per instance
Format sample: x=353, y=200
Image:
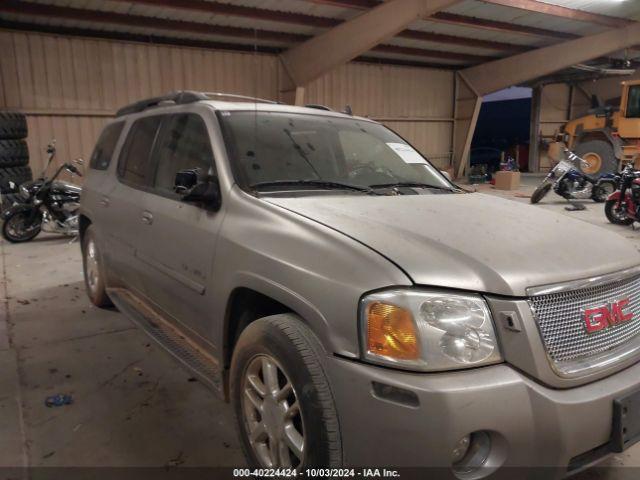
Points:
x=15, y=175
x=13, y=126
x=93, y=269
x=540, y=192
x=601, y=192
x=10, y=199
x=600, y=153
x=9, y=225
x=613, y=217
x=283, y=340
x=13, y=153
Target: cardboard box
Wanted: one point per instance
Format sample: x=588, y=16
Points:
x=507, y=180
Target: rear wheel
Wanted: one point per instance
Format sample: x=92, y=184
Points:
x=540, y=192
x=599, y=155
x=601, y=192
x=281, y=396
x=617, y=213
x=94, y=274
x=21, y=226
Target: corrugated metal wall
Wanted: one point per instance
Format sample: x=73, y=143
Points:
x=416, y=103
x=69, y=87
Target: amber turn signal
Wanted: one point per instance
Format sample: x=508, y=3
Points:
x=391, y=332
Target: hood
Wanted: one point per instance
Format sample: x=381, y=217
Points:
x=471, y=241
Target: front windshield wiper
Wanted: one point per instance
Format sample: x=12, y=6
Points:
x=313, y=183
x=411, y=185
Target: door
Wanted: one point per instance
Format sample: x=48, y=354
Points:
x=127, y=201
x=99, y=183
x=180, y=238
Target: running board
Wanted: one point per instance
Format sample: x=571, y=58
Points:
x=197, y=361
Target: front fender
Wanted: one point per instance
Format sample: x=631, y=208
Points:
x=11, y=211
x=614, y=196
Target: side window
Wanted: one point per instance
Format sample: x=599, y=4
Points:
x=134, y=164
x=184, y=144
x=103, y=151
x=633, y=108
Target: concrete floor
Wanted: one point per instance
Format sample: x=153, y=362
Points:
x=133, y=406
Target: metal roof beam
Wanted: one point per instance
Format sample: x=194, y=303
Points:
x=499, y=74
x=343, y=43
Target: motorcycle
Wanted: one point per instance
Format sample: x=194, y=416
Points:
x=623, y=206
x=47, y=205
x=569, y=182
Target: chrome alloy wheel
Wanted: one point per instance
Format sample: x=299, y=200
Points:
x=272, y=415
x=92, y=267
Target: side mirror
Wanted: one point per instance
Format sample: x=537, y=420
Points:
x=185, y=181
x=79, y=161
x=192, y=189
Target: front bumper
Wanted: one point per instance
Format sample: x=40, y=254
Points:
x=534, y=425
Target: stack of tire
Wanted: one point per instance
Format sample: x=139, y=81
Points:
x=14, y=156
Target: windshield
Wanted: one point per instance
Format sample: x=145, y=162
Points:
x=300, y=150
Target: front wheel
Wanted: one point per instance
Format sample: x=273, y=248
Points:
x=617, y=213
x=540, y=192
x=21, y=226
x=281, y=396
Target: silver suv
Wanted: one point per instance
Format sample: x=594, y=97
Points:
x=355, y=306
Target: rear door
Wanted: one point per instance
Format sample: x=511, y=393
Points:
x=99, y=179
x=179, y=243
x=128, y=200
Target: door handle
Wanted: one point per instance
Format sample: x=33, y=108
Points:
x=147, y=218
x=104, y=202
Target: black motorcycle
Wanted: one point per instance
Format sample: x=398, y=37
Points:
x=47, y=205
x=568, y=181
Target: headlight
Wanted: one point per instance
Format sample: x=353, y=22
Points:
x=427, y=330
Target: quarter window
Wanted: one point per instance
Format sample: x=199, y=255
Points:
x=184, y=144
x=103, y=151
x=135, y=164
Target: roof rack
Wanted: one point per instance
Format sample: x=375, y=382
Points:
x=182, y=97
x=239, y=97
x=178, y=98
x=318, y=107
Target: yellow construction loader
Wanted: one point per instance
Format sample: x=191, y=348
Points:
x=607, y=136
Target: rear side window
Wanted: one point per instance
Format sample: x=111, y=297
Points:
x=183, y=144
x=135, y=165
x=102, y=153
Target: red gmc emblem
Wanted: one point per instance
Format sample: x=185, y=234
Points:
x=599, y=318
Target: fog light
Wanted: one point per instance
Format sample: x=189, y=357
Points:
x=460, y=450
x=475, y=455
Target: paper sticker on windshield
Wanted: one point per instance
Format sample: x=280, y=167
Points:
x=406, y=153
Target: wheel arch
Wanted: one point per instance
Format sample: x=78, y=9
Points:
x=83, y=223
x=258, y=297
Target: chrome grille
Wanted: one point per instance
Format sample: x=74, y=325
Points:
x=560, y=317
